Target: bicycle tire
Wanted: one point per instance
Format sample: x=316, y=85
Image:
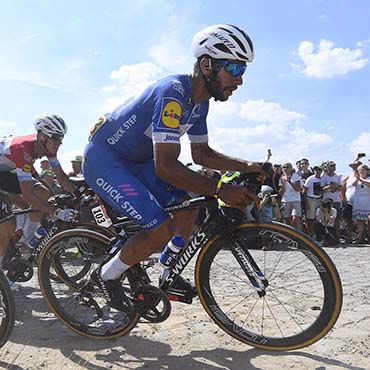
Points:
x=64, y=299
x=79, y=274
x=7, y=310
x=307, y=301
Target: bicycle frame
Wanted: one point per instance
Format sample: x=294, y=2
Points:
x=201, y=237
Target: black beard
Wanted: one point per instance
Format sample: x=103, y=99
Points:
x=215, y=90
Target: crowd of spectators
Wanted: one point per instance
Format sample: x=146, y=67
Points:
x=332, y=208
x=326, y=205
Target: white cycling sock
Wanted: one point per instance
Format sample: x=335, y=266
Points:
x=21, y=221
x=29, y=229
x=113, y=269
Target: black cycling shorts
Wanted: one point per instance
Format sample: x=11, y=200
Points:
x=9, y=183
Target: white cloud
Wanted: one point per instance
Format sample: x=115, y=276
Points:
x=328, y=61
x=360, y=144
x=261, y=111
x=6, y=126
x=28, y=38
x=171, y=54
x=273, y=128
x=130, y=80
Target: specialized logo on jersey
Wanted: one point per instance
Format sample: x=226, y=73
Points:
x=26, y=168
x=171, y=114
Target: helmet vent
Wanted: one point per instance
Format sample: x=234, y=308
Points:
x=238, y=42
x=202, y=42
x=223, y=48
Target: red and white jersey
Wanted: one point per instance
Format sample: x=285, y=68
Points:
x=17, y=153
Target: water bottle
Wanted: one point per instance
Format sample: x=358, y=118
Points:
x=37, y=236
x=170, y=254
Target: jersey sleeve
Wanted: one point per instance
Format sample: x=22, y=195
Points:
x=22, y=157
x=167, y=112
x=198, y=133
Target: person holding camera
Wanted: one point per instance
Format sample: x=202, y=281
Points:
x=290, y=187
x=326, y=216
x=269, y=207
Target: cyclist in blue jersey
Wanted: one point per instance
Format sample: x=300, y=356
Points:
x=131, y=160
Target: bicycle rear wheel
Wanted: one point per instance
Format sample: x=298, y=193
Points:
x=7, y=310
x=76, y=303
x=304, y=294
x=78, y=270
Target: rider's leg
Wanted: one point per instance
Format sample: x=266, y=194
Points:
x=34, y=218
x=6, y=230
x=144, y=244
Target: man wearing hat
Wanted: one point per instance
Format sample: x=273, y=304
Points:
x=76, y=166
x=312, y=193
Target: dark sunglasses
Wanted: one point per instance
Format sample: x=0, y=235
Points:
x=57, y=138
x=235, y=69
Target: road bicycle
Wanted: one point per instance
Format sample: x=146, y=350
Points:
x=91, y=216
x=7, y=310
x=265, y=284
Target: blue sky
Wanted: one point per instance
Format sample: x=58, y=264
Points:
x=305, y=95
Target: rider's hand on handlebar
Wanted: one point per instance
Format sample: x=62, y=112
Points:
x=257, y=167
x=67, y=214
x=237, y=196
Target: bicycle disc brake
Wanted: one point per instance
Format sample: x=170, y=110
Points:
x=152, y=304
x=20, y=270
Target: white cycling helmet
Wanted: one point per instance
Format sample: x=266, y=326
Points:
x=223, y=41
x=51, y=124
x=265, y=189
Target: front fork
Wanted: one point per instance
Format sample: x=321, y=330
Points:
x=249, y=266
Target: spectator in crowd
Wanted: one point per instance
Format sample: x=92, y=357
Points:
x=76, y=166
x=268, y=208
x=312, y=197
x=276, y=176
x=298, y=167
x=45, y=165
x=290, y=187
x=50, y=178
x=347, y=192
x=305, y=171
x=326, y=216
x=331, y=185
x=361, y=200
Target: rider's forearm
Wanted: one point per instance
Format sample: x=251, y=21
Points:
x=215, y=160
x=181, y=177
x=38, y=204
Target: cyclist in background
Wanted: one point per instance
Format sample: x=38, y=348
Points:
x=132, y=160
x=19, y=177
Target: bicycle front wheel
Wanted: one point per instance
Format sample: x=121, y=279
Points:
x=7, y=310
x=303, y=296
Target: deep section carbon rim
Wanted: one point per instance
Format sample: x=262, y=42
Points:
x=303, y=297
x=83, y=309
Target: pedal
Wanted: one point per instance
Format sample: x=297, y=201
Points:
x=177, y=295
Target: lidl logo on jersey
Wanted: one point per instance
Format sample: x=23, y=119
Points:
x=26, y=168
x=171, y=114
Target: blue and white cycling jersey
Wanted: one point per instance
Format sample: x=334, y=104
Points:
x=119, y=164
x=161, y=114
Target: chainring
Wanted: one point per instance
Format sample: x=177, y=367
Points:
x=152, y=304
x=20, y=270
